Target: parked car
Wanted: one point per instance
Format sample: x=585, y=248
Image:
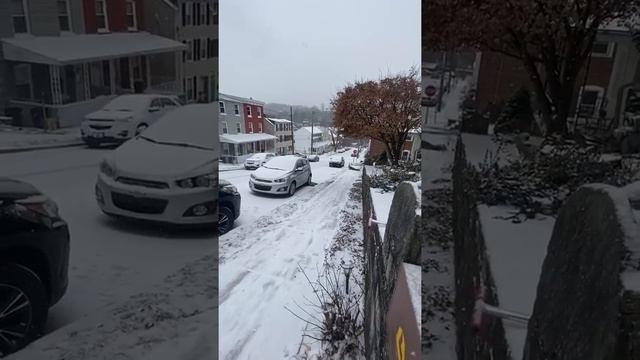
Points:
x=125, y=117
x=166, y=174
x=34, y=261
x=281, y=175
x=313, y=158
x=256, y=160
x=336, y=161
x=228, y=206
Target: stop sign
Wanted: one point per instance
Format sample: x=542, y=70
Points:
x=430, y=90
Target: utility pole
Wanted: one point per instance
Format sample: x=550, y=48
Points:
x=293, y=148
x=312, y=131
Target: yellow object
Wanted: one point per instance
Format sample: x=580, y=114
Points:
x=400, y=344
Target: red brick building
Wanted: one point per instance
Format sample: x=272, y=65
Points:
x=253, y=116
x=104, y=16
x=410, y=148
x=611, y=77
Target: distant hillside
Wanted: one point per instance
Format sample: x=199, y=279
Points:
x=301, y=114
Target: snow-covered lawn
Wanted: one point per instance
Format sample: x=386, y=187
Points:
x=175, y=320
x=20, y=138
x=261, y=264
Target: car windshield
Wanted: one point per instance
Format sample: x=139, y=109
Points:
x=189, y=126
x=128, y=103
x=285, y=163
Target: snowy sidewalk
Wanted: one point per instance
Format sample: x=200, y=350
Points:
x=260, y=271
x=14, y=139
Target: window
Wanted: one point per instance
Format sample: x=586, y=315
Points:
x=189, y=89
x=602, y=49
x=196, y=49
x=101, y=16
x=167, y=102
x=236, y=109
x=63, y=15
x=589, y=101
x=19, y=15
x=203, y=49
x=250, y=128
x=188, y=11
x=183, y=13
x=249, y=110
x=259, y=111
x=259, y=127
x=215, y=13
x=132, y=21
x=203, y=14
x=189, y=50
x=185, y=51
x=238, y=127
x=212, y=48
x=222, y=109
x=208, y=13
x=196, y=13
x=225, y=128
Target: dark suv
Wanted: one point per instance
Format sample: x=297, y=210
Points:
x=228, y=206
x=34, y=258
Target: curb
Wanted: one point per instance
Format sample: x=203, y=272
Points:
x=41, y=147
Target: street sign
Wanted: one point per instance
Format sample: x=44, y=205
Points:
x=430, y=90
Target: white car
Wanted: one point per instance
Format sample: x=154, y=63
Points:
x=313, y=158
x=281, y=175
x=166, y=174
x=256, y=160
x=336, y=161
x=125, y=117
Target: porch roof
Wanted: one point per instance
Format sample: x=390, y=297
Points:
x=245, y=138
x=84, y=48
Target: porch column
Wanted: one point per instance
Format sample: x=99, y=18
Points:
x=86, y=81
x=131, y=78
x=147, y=66
x=54, y=81
x=112, y=76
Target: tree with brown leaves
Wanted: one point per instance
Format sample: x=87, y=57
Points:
x=552, y=39
x=385, y=110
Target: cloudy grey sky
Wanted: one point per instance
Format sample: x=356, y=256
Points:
x=302, y=52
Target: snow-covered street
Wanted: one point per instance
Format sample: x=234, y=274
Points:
x=110, y=260
x=262, y=258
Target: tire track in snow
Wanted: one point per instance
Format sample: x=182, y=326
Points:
x=254, y=322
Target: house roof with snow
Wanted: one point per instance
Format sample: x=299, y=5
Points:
x=245, y=138
x=316, y=129
x=280, y=121
x=239, y=99
x=83, y=48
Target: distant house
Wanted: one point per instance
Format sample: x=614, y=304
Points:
x=410, y=149
x=231, y=115
x=321, y=140
x=610, y=88
x=195, y=24
x=280, y=128
x=253, y=116
x=236, y=148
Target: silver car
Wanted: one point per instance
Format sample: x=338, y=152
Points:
x=166, y=174
x=281, y=175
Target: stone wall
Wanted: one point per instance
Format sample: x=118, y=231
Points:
x=582, y=308
x=383, y=259
x=472, y=270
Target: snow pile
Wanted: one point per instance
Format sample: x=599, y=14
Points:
x=14, y=138
x=178, y=320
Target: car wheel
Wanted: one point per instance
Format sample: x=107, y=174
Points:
x=292, y=188
x=309, y=180
x=24, y=303
x=141, y=128
x=225, y=220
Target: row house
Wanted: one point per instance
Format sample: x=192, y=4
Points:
x=62, y=59
x=242, y=128
x=195, y=24
x=281, y=129
x=608, y=87
x=321, y=140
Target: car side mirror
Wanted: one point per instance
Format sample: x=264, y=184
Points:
x=154, y=109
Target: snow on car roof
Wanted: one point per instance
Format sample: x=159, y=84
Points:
x=192, y=124
x=283, y=162
x=129, y=102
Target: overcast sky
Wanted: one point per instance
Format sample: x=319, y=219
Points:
x=301, y=52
